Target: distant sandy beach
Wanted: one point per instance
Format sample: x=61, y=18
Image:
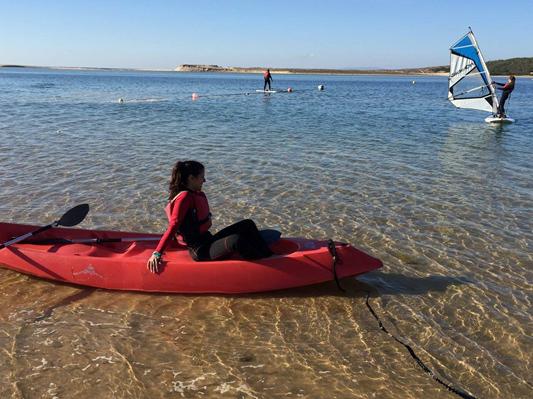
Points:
x=189, y=68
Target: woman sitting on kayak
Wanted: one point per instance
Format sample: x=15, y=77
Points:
x=189, y=221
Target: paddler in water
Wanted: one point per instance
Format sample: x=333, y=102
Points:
x=268, y=79
x=189, y=221
x=507, y=88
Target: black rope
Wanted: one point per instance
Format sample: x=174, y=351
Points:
x=333, y=251
x=456, y=391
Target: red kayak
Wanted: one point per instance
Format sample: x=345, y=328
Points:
x=122, y=265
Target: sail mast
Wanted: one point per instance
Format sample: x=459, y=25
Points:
x=487, y=74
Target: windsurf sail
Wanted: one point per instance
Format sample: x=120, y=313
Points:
x=469, y=83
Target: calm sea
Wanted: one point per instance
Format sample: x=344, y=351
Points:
x=442, y=198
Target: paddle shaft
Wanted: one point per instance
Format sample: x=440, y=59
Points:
x=27, y=235
x=269, y=235
x=91, y=240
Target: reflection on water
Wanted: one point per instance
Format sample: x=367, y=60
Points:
x=442, y=198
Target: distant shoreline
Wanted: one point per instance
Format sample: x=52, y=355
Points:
x=243, y=70
x=193, y=68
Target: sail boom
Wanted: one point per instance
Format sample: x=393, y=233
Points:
x=470, y=91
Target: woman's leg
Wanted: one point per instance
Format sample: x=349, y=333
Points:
x=219, y=247
x=224, y=247
x=503, y=99
x=242, y=237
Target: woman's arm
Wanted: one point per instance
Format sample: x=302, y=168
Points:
x=179, y=209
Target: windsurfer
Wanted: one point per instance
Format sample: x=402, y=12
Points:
x=506, y=88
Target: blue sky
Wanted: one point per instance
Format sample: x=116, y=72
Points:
x=313, y=34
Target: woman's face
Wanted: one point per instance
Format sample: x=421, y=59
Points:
x=196, y=182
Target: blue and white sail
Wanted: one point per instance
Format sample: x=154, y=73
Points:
x=469, y=83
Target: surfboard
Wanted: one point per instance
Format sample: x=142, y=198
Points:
x=266, y=91
x=495, y=119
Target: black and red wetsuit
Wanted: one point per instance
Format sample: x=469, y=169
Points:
x=268, y=79
x=189, y=221
x=507, y=89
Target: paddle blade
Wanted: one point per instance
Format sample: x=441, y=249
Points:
x=74, y=216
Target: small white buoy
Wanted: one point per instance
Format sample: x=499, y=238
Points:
x=320, y=87
x=413, y=82
x=195, y=96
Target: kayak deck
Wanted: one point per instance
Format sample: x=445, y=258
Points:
x=122, y=265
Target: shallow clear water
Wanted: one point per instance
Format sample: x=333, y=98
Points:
x=442, y=198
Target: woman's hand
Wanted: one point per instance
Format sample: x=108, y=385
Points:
x=154, y=263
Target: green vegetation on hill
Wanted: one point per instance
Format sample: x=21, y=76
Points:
x=511, y=66
x=514, y=66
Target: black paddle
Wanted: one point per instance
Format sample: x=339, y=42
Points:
x=269, y=235
x=95, y=240
x=71, y=218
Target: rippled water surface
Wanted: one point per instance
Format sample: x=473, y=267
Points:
x=442, y=198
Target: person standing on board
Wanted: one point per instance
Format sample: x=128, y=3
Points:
x=189, y=221
x=507, y=88
x=268, y=79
